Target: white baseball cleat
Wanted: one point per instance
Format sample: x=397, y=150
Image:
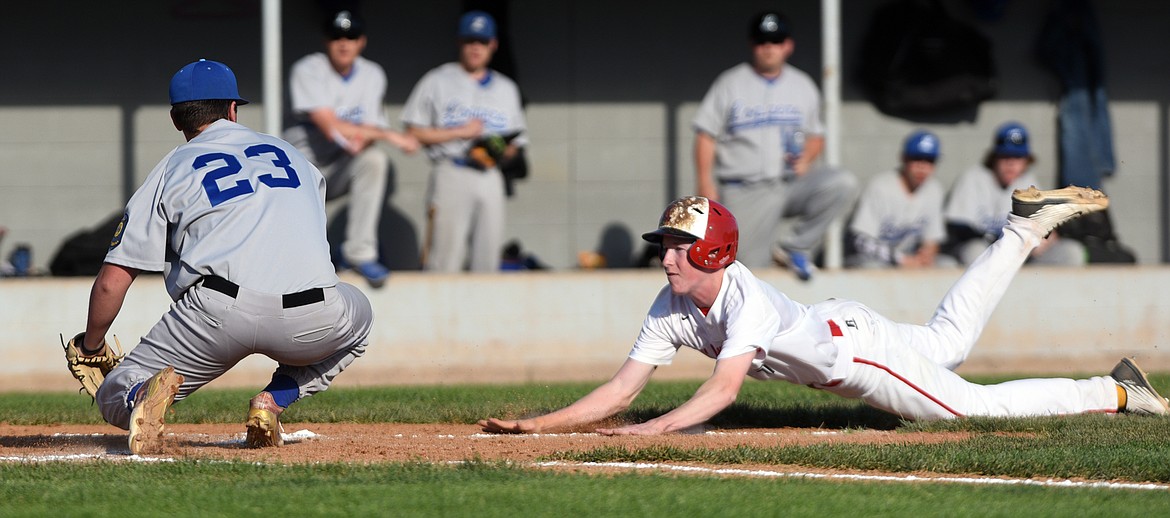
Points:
x=1140, y=396
x=148, y=418
x=1051, y=208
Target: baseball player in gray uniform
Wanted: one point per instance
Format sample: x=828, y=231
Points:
x=715, y=305
x=235, y=220
x=336, y=100
x=450, y=107
x=982, y=194
x=898, y=219
x=758, y=132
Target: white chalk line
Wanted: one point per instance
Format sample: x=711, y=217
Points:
x=306, y=434
x=856, y=476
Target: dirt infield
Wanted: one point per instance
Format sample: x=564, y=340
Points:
x=365, y=443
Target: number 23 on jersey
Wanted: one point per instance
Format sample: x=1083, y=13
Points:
x=229, y=165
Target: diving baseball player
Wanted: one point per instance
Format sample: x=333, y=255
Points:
x=235, y=220
x=449, y=109
x=715, y=305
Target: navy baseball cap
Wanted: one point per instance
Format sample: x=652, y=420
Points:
x=477, y=25
x=345, y=24
x=205, y=80
x=769, y=27
x=921, y=145
x=1011, y=140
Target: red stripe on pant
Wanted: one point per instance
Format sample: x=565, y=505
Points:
x=908, y=383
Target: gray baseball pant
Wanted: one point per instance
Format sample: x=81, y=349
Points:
x=466, y=209
x=206, y=332
x=815, y=199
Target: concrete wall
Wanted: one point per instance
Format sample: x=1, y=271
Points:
x=611, y=87
x=580, y=325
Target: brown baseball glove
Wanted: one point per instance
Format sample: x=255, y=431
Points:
x=91, y=371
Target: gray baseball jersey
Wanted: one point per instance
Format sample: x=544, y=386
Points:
x=753, y=119
x=896, y=220
x=236, y=184
x=978, y=201
x=448, y=97
x=245, y=210
x=844, y=347
x=356, y=98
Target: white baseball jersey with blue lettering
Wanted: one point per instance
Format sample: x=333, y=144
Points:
x=980, y=202
x=847, y=348
x=356, y=98
x=896, y=219
x=752, y=117
x=447, y=97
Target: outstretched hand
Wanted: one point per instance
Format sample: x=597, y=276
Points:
x=493, y=425
x=647, y=428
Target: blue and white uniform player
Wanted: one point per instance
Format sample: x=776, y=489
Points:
x=898, y=220
x=448, y=109
x=758, y=133
x=336, y=99
x=977, y=201
x=235, y=220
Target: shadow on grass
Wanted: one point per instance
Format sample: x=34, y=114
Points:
x=833, y=417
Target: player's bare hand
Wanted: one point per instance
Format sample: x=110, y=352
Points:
x=493, y=425
x=407, y=143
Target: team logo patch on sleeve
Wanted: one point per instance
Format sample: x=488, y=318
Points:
x=117, y=239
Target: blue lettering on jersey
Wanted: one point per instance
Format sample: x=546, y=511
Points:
x=231, y=166
x=457, y=114
x=743, y=116
x=352, y=114
x=894, y=234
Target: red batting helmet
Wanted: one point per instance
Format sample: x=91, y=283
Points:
x=710, y=224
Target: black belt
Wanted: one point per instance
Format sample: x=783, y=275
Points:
x=290, y=300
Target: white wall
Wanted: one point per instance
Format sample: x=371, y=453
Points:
x=580, y=325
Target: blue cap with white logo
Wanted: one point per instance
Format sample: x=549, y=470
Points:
x=204, y=80
x=477, y=25
x=921, y=145
x=1011, y=140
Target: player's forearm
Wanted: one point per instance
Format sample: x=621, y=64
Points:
x=432, y=136
x=105, y=301
x=813, y=145
x=704, y=163
x=707, y=402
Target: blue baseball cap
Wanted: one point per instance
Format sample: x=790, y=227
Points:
x=477, y=25
x=921, y=145
x=1011, y=140
x=204, y=80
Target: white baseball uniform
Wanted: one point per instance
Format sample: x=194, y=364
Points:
x=465, y=202
x=357, y=99
x=235, y=220
x=756, y=122
x=978, y=201
x=846, y=348
x=890, y=222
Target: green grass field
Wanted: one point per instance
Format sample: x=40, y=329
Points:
x=1094, y=447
